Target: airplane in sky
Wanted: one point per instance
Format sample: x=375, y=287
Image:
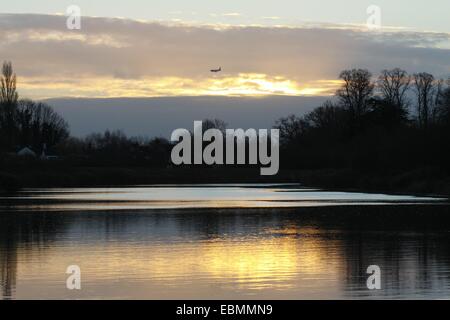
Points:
x=216, y=70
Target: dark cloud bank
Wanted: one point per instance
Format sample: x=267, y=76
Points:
x=160, y=116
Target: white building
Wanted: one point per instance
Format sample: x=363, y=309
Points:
x=26, y=152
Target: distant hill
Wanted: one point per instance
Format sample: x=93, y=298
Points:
x=160, y=116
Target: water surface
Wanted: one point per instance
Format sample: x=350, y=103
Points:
x=198, y=196
x=222, y=242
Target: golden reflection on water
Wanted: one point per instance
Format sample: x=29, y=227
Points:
x=280, y=261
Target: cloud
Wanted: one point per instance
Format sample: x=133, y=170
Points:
x=271, y=18
x=232, y=14
x=109, y=57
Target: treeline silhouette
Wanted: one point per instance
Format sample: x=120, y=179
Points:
x=394, y=126
x=396, y=122
x=115, y=148
x=35, y=125
x=24, y=122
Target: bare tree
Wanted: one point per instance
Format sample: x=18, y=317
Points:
x=8, y=93
x=8, y=104
x=325, y=116
x=427, y=91
x=356, y=92
x=39, y=124
x=444, y=104
x=214, y=124
x=291, y=128
x=394, y=85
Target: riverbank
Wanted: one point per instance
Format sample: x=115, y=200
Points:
x=425, y=181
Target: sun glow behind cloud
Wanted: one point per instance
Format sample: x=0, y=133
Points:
x=227, y=85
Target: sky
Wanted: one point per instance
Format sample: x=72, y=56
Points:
x=158, y=117
x=422, y=15
x=141, y=48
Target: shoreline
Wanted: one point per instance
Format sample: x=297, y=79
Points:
x=420, y=182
